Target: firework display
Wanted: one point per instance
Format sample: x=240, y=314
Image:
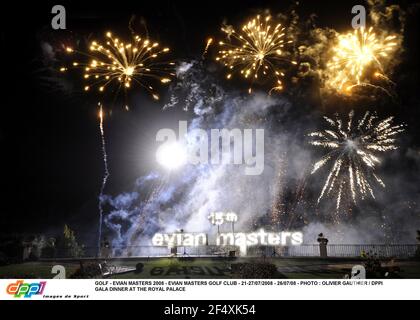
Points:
x=359, y=56
x=256, y=51
x=116, y=65
x=353, y=149
x=272, y=140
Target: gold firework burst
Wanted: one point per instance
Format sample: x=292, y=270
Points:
x=116, y=64
x=353, y=149
x=358, y=57
x=255, y=51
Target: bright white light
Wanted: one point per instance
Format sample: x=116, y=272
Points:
x=171, y=156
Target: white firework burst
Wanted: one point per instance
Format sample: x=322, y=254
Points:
x=353, y=148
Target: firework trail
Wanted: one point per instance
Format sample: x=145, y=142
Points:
x=105, y=177
x=116, y=64
x=298, y=200
x=206, y=49
x=358, y=57
x=149, y=204
x=277, y=211
x=284, y=212
x=257, y=51
x=353, y=148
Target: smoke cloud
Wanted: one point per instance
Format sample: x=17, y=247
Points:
x=283, y=196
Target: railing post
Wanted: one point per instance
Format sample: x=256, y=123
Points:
x=322, y=245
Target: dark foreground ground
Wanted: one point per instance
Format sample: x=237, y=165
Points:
x=196, y=268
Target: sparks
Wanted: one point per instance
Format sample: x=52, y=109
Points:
x=256, y=51
x=116, y=65
x=358, y=57
x=353, y=149
x=206, y=49
x=105, y=177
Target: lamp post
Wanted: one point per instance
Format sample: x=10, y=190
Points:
x=219, y=218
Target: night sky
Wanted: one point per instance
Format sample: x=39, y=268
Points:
x=49, y=138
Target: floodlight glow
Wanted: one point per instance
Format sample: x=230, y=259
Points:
x=171, y=156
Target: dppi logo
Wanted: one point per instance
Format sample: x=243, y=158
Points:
x=27, y=290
